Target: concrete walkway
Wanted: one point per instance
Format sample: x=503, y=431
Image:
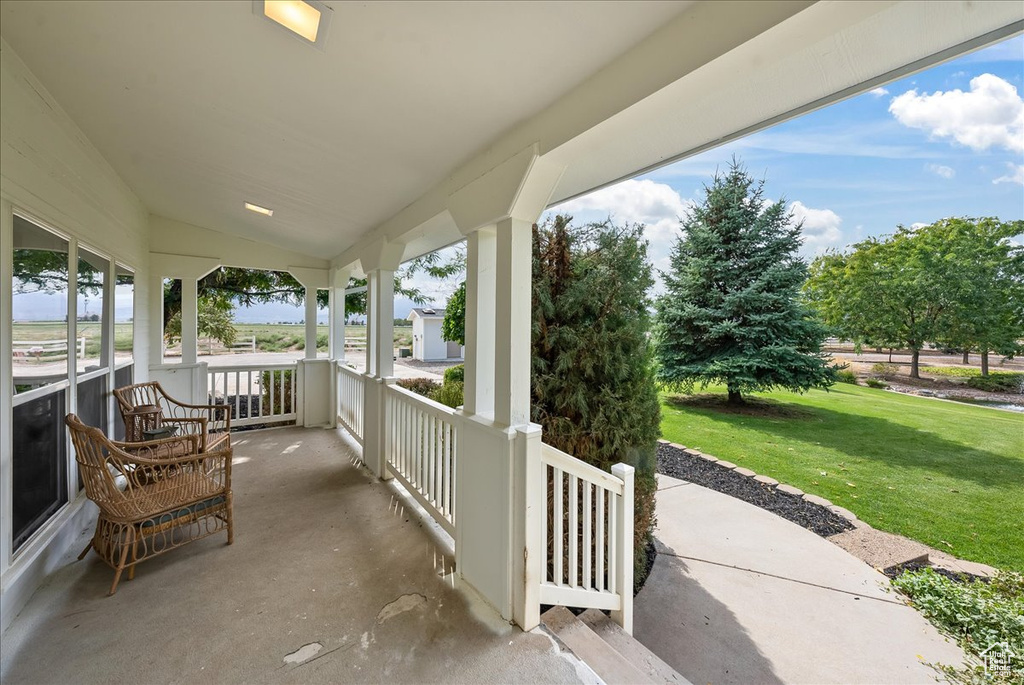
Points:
x=740, y=595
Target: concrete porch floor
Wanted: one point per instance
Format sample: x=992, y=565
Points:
x=319, y=556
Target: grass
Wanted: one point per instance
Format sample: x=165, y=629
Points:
x=946, y=474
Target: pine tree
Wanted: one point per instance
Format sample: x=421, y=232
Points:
x=731, y=311
x=593, y=388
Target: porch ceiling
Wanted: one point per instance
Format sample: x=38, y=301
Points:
x=201, y=106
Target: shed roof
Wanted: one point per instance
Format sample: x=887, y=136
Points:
x=426, y=313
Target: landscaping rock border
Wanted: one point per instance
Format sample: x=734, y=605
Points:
x=725, y=477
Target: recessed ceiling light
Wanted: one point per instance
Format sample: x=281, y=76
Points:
x=307, y=19
x=259, y=210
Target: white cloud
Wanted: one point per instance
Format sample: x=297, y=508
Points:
x=941, y=170
x=879, y=92
x=820, y=226
x=917, y=224
x=1016, y=174
x=991, y=114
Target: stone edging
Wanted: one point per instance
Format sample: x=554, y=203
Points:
x=767, y=480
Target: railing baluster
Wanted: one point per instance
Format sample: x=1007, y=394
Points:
x=559, y=521
x=588, y=543
x=613, y=540
x=599, y=539
x=574, y=531
x=546, y=510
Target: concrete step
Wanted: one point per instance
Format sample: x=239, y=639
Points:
x=633, y=651
x=611, y=653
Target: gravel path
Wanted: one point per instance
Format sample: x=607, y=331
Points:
x=678, y=464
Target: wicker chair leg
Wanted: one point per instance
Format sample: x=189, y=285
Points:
x=86, y=550
x=120, y=566
x=231, y=520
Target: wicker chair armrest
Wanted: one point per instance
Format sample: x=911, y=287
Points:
x=202, y=421
x=220, y=455
x=126, y=449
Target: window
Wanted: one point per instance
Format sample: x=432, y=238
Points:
x=91, y=335
x=39, y=307
x=42, y=353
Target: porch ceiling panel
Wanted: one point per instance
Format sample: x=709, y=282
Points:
x=201, y=106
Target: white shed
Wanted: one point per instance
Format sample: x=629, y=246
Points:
x=427, y=344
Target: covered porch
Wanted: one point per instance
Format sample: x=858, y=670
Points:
x=324, y=555
x=140, y=156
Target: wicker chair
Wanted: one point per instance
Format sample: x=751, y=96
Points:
x=147, y=406
x=151, y=498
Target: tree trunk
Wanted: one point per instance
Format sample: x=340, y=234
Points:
x=735, y=397
x=967, y=357
x=890, y=355
x=984, y=361
x=915, y=357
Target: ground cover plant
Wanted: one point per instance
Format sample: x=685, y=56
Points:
x=983, y=616
x=946, y=474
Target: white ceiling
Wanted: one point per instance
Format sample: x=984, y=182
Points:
x=200, y=106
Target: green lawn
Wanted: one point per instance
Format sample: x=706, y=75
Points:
x=949, y=475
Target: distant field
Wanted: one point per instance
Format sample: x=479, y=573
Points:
x=90, y=330
x=270, y=337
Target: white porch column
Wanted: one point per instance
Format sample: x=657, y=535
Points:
x=311, y=322
x=380, y=324
x=189, y=319
x=500, y=489
x=339, y=282
x=379, y=263
x=513, y=320
x=480, y=293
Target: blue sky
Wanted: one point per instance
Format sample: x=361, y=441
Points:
x=948, y=141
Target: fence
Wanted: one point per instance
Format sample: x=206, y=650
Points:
x=256, y=394
x=588, y=533
x=46, y=350
x=420, y=446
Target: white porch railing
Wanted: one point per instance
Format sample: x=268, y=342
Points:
x=420, y=446
x=351, y=400
x=587, y=536
x=256, y=394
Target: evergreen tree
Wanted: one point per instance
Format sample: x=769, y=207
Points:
x=731, y=311
x=593, y=388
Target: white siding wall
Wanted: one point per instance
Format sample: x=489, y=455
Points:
x=50, y=171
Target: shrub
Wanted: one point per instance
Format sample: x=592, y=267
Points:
x=283, y=401
x=846, y=376
x=449, y=394
x=998, y=382
x=979, y=615
x=420, y=386
x=455, y=373
x=875, y=383
x=885, y=369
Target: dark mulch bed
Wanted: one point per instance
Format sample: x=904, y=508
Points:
x=244, y=402
x=678, y=464
x=638, y=582
x=898, y=570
